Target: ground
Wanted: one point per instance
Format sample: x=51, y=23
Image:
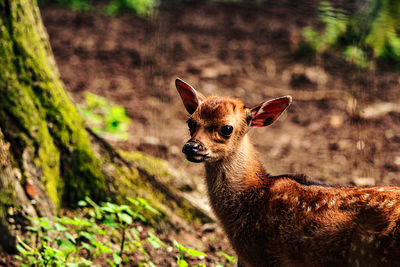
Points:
x=242, y=51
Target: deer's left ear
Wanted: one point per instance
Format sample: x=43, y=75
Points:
x=190, y=97
x=268, y=112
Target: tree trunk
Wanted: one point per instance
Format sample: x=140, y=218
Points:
x=52, y=160
x=14, y=204
x=47, y=135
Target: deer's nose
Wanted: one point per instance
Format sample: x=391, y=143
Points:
x=191, y=148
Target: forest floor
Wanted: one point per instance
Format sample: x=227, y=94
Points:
x=242, y=51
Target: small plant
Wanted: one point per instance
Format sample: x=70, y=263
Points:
x=120, y=218
x=61, y=241
x=186, y=252
x=54, y=246
x=355, y=55
x=228, y=257
x=140, y=7
x=335, y=22
x=105, y=119
x=113, y=7
x=80, y=5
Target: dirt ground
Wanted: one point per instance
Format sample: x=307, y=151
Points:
x=242, y=51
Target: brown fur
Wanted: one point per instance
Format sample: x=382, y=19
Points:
x=286, y=220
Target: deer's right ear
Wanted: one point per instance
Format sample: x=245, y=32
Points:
x=268, y=112
x=190, y=97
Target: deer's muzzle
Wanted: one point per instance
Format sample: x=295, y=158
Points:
x=194, y=151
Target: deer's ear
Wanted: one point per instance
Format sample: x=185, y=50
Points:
x=190, y=97
x=269, y=111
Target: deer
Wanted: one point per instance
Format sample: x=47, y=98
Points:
x=285, y=220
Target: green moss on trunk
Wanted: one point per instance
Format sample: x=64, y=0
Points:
x=36, y=112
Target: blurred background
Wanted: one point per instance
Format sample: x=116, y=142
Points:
x=339, y=60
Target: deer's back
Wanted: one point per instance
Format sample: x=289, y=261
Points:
x=291, y=222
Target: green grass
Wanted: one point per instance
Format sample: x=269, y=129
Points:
x=94, y=234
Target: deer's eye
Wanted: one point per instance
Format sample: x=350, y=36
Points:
x=226, y=130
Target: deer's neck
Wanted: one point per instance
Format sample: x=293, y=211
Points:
x=228, y=180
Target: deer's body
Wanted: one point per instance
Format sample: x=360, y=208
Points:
x=284, y=220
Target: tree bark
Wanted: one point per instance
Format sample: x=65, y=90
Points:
x=46, y=133
x=47, y=157
x=14, y=204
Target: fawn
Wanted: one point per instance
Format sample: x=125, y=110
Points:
x=284, y=220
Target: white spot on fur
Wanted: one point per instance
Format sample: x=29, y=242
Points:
x=381, y=189
x=391, y=203
x=316, y=206
x=332, y=202
x=285, y=196
x=370, y=239
x=353, y=200
x=381, y=205
x=365, y=196
x=324, y=201
x=308, y=208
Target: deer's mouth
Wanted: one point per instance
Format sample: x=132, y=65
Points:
x=197, y=157
x=194, y=151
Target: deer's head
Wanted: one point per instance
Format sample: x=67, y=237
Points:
x=218, y=124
